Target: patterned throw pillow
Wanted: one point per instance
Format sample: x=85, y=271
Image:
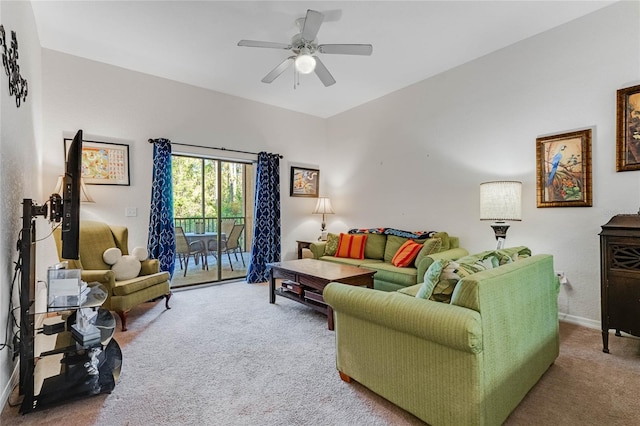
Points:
x=331, y=247
x=431, y=278
x=430, y=246
x=451, y=273
x=351, y=246
x=406, y=254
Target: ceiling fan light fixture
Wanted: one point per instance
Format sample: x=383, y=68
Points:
x=305, y=63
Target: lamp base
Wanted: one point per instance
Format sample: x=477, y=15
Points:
x=500, y=229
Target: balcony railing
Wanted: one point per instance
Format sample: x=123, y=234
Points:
x=188, y=224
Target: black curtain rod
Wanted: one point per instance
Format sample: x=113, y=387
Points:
x=218, y=149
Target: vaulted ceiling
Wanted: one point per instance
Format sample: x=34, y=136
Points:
x=195, y=42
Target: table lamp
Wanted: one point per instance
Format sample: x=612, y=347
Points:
x=323, y=206
x=500, y=201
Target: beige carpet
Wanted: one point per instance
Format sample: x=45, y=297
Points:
x=224, y=356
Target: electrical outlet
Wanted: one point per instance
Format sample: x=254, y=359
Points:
x=562, y=277
x=131, y=211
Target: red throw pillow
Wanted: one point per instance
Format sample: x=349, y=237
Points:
x=351, y=245
x=406, y=254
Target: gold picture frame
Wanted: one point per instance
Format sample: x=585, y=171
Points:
x=304, y=182
x=564, y=170
x=628, y=129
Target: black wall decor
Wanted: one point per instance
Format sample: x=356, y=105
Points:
x=17, y=84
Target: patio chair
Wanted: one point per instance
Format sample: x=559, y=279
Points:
x=186, y=249
x=233, y=244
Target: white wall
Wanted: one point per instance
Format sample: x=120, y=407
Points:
x=116, y=105
x=414, y=159
x=19, y=162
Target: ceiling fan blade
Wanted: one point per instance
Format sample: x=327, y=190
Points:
x=269, y=44
x=346, y=49
x=323, y=73
x=311, y=25
x=278, y=70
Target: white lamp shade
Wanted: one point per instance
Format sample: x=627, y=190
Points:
x=84, y=194
x=501, y=200
x=323, y=206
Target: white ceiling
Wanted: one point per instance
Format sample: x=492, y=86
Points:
x=195, y=42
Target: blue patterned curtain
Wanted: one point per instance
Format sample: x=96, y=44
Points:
x=162, y=239
x=266, y=229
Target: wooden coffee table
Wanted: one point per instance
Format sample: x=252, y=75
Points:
x=305, y=279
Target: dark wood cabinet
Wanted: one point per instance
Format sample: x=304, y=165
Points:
x=620, y=276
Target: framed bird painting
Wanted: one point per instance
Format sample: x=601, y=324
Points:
x=628, y=129
x=564, y=170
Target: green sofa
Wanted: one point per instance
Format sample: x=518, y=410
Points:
x=378, y=252
x=469, y=362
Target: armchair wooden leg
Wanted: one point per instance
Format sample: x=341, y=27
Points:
x=344, y=377
x=123, y=318
x=166, y=302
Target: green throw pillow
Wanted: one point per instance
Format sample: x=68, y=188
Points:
x=331, y=246
x=431, y=278
x=430, y=246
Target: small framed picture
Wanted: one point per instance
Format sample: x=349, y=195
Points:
x=103, y=163
x=564, y=170
x=304, y=182
x=628, y=129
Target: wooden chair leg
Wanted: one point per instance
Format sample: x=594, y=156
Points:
x=166, y=302
x=123, y=318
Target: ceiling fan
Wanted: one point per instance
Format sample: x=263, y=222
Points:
x=305, y=46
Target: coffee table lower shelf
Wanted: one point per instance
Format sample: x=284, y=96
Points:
x=318, y=305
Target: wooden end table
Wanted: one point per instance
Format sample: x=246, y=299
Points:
x=305, y=279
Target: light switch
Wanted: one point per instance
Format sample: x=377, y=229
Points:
x=131, y=211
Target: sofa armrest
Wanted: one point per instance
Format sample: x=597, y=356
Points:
x=425, y=262
x=452, y=326
x=149, y=267
x=104, y=276
x=317, y=248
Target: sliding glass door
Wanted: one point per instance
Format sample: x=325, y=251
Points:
x=213, y=209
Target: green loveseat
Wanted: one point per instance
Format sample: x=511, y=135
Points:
x=469, y=362
x=379, y=251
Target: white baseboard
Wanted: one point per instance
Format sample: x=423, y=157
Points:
x=13, y=382
x=585, y=322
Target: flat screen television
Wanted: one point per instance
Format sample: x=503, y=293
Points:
x=71, y=200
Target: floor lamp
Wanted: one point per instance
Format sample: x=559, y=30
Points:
x=500, y=201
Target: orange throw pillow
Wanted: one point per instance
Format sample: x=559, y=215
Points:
x=406, y=254
x=351, y=245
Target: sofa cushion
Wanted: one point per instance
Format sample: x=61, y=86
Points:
x=431, y=278
x=393, y=245
x=374, y=248
x=387, y=272
x=347, y=261
x=331, y=245
x=351, y=246
x=139, y=283
x=406, y=254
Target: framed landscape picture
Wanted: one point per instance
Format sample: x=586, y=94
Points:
x=304, y=182
x=564, y=170
x=628, y=129
x=103, y=163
